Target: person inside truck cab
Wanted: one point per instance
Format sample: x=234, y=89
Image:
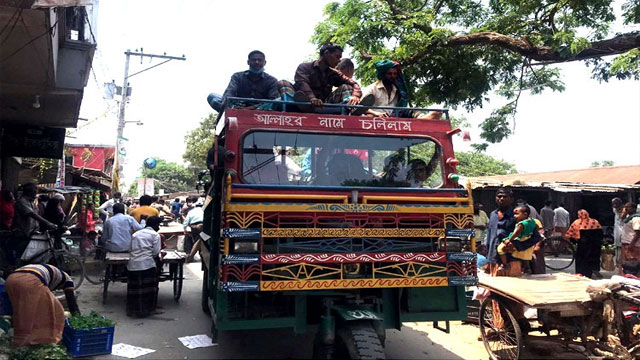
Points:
x=253, y=83
x=391, y=90
x=314, y=82
x=419, y=171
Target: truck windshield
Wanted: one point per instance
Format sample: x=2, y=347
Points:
x=286, y=158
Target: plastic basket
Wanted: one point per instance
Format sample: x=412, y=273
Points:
x=80, y=343
x=5, y=303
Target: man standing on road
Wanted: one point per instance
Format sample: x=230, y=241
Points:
x=27, y=220
x=618, y=224
x=560, y=219
x=118, y=228
x=106, y=209
x=192, y=229
x=501, y=224
x=630, y=240
x=480, y=221
x=547, y=214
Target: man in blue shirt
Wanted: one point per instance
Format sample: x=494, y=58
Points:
x=501, y=223
x=194, y=221
x=253, y=83
x=118, y=228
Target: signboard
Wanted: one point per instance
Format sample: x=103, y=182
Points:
x=33, y=141
x=145, y=186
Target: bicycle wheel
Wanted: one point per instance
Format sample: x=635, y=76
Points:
x=558, y=254
x=72, y=265
x=500, y=331
x=94, y=270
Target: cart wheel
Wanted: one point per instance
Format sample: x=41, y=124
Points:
x=177, y=282
x=500, y=331
x=105, y=282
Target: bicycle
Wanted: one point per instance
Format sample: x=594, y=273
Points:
x=60, y=258
x=95, y=264
x=559, y=253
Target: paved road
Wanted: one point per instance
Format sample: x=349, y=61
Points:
x=161, y=332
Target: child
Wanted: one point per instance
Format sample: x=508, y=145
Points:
x=522, y=232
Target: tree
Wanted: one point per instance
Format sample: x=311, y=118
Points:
x=199, y=141
x=133, y=189
x=456, y=52
x=603, y=163
x=171, y=177
x=474, y=164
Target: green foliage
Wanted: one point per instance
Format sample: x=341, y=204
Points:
x=38, y=352
x=443, y=66
x=90, y=321
x=172, y=177
x=474, y=164
x=199, y=141
x=133, y=189
x=603, y=163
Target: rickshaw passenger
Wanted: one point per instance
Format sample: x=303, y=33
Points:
x=118, y=228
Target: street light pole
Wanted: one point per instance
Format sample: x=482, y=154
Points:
x=117, y=171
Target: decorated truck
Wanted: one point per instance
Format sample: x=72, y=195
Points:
x=346, y=225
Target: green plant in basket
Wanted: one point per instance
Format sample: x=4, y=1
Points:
x=91, y=321
x=37, y=352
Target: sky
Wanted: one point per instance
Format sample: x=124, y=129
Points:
x=588, y=122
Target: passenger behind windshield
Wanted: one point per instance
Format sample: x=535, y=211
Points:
x=340, y=160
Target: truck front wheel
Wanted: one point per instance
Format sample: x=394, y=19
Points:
x=360, y=341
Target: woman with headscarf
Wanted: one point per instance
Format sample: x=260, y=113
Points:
x=588, y=234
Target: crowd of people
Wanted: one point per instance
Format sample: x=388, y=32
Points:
x=513, y=236
x=327, y=80
x=122, y=226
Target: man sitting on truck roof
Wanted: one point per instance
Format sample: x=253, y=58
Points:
x=391, y=90
x=253, y=83
x=314, y=81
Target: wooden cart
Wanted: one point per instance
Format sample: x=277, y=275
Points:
x=116, y=270
x=561, y=301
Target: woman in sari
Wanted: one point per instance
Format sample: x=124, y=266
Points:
x=589, y=247
x=38, y=316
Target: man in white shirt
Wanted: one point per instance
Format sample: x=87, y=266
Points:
x=106, y=209
x=560, y=219
x=192, y=229
x=118, y=228
x=390, y=90
x=142, y=284
x=547, y=215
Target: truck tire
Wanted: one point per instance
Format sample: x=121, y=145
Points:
x=205, y=291
x=361, y=341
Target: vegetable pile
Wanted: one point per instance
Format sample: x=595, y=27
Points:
x=37, y=352
x=88, y=322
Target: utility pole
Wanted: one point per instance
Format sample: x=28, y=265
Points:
x=117, y=172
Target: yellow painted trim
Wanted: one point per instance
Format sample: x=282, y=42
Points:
x=351, y=284
x=227, y=198
x=419, y=199
x=357, y=232
x=343, y=198
x=225, y=250
x=359, y=208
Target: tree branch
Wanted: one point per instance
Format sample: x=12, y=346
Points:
x=616, y=45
